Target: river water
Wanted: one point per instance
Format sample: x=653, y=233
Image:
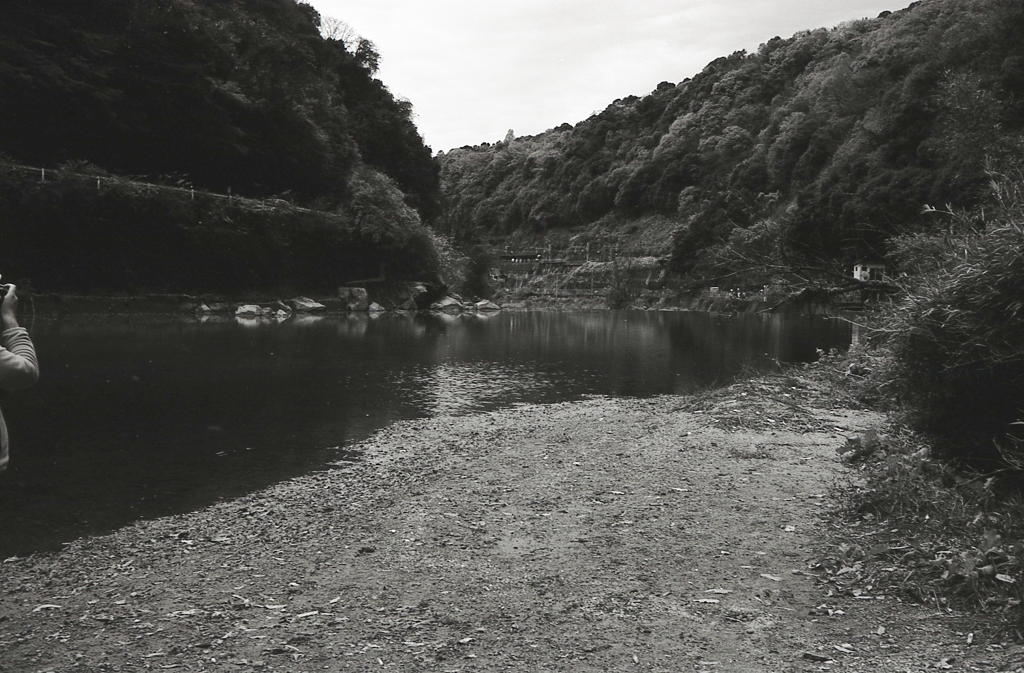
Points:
x=143, y=416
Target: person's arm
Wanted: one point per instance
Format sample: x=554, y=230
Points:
x=9, y=307
x=18, y=365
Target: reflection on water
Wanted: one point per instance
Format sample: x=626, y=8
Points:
x=144, y=416
x=460, y=387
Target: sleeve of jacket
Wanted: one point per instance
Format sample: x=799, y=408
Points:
x=18, y=365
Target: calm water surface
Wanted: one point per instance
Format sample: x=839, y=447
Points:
x=138, y=416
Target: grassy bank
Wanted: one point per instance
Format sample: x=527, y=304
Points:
x=947, y=361
x=926, y=520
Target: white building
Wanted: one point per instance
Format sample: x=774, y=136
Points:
x=869, y=271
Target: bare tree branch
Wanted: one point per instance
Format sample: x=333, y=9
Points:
x=336, y=29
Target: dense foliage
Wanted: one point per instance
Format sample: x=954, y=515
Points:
x=820, y=146
x=239, y=94
x=75, y=234
x=244, y=97
x=957, y=336
x=947, y=356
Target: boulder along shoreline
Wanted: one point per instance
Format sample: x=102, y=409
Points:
x=184, y=304
x=667, y=534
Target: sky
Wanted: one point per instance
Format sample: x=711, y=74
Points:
x=474, y=69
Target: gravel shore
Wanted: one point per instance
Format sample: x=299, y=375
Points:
x=667, y=534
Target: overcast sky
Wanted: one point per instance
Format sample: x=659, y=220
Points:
x=473, y=69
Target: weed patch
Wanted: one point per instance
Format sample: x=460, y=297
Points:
x=915, y=525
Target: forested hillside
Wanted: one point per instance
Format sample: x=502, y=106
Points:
x=817, y=147
x=232, y=96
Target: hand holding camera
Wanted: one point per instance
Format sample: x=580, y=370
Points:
x=8, y=305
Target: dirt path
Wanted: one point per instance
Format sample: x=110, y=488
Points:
x=673, y=534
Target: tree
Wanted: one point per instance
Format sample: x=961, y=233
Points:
x=339, y=31
x=367, y=56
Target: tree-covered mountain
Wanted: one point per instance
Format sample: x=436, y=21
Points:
x=820, y=146
x=243, y=94
x=244, y=97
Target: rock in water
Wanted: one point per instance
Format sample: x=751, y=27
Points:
x=354, y=298
x=447, y=304
x=216, y=307
x=251, y=311
x=305, y=305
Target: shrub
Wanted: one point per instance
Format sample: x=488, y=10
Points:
x=79, y=232
x=621, y=292
x=957, y=339
x=452, y=264
x=477, y=279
